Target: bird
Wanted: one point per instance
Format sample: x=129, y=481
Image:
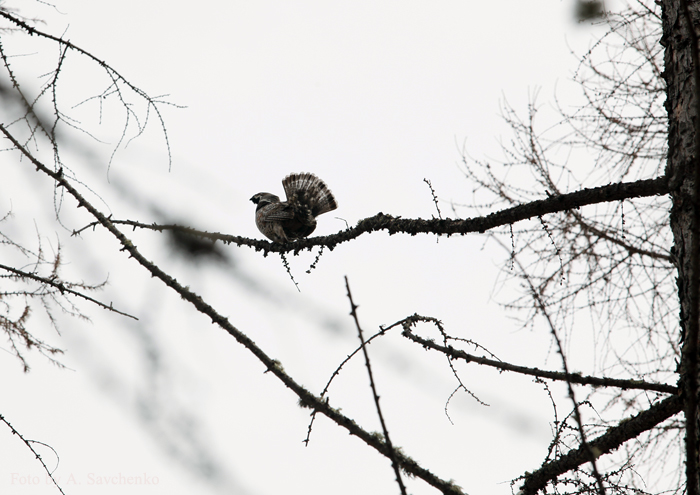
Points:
x=285, y=221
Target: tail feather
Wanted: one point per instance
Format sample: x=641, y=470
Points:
x=308, y=189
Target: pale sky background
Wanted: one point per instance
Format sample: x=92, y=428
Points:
x=373, y=97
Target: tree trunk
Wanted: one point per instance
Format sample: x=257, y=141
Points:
x=681, y=169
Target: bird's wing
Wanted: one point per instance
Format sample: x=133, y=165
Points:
x=277, y=211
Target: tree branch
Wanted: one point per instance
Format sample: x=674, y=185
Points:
x=306, y=398
x=61, y=287
x=550, y=375
x=28, y=443
x=396, y=225
x=115, y=76
x=626, y=430
x=390, y=448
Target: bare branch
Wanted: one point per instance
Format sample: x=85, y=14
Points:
x=592, y=453
x=390, y=448
x=396, y=225
x=28, y=443
x=577, y=378
x=306, y=398
x=336, y=373
x=61, y=286
x=627, y=429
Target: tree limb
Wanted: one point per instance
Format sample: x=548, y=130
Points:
x=626, y=430
x=61, y=287
x=551, y=375
x=396, y=225
x=306, y=398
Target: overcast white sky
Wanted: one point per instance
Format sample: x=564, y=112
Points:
x=373, y=97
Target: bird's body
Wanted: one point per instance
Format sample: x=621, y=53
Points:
x=307, y=197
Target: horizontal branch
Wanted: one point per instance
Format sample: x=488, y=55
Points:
x=439, y=226
x=626, y=430
x=453, y=353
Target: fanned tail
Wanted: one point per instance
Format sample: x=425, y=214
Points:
x=309, y=190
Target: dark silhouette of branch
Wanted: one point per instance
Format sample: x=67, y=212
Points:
x=115, y=77
x=62, y=288
x=585, y=445
x=627, y=429
x=595, y=381
x=411, y=320
x=396, y=225
x=335, y=373
x=435, y=200
x=28, y=443
x=306, y=398
x=385, y=430
x=587, y=227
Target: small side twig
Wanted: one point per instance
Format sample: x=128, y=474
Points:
x=289, y=270
x=556, y=248
x=318, y=257
x=62, y=288
x=596, y=381
x=335, y=373
x=394, y=461
x=592, y=452
x=406, y=324
x=435, y=200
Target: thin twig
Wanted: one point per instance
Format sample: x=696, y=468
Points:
x=411, y=320
x=394, y=461
x=62, y=288
x=336, y=373
x=28, y=443
x=592, y=453
x=289, y=270
x=435, y=200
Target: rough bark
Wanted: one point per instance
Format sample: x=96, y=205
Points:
x=680, y=169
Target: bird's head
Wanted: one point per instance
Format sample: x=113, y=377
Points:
x=264, y=199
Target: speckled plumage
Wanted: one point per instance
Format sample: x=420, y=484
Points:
x=307, y=197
